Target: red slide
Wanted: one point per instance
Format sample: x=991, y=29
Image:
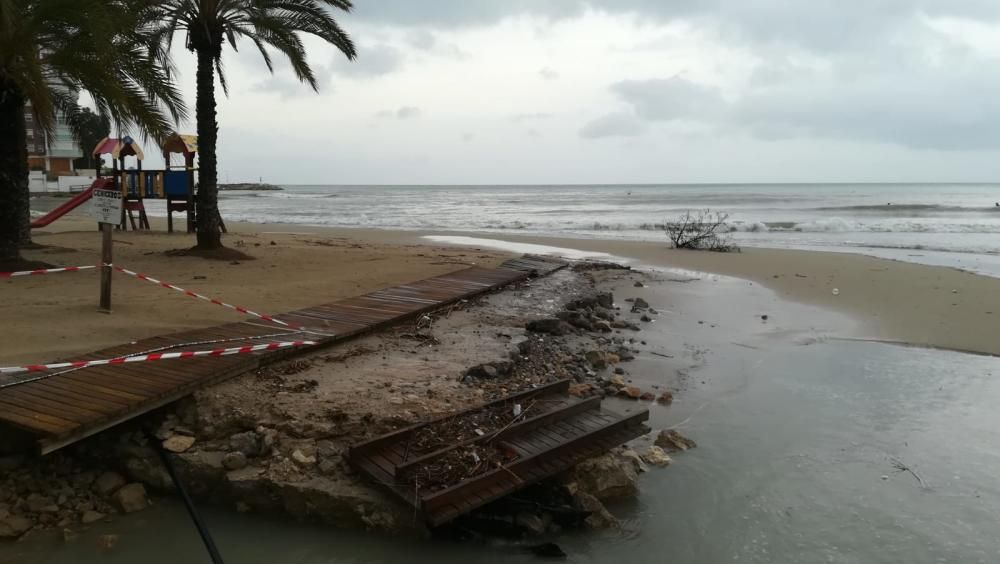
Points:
x=72, y=203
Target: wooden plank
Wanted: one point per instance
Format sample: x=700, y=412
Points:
x=532, y=423
x=93, y=397
x=553, y=388
x=430, y=503
x=34, y=419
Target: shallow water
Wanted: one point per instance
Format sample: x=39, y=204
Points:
x=797, y=434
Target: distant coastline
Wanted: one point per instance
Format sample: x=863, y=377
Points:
x=249, y=186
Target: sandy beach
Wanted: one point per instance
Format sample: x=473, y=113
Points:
x=55, y=316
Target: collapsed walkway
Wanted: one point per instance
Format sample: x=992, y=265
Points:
x=64, y=407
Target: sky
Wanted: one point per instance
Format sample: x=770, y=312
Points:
x=625, y=91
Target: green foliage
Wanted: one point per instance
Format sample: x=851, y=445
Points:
x=92, y=128
x=209, y=24
x=51, y=50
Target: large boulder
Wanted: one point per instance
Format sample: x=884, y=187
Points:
x=605, y=477
x=551, y=326
x=656, y=456
x=600, y=517
x=149, y=470
x=131, y=498
x=247, y=442
x=606, y=300
x=597, y=359
x=108, y=483
x=14, y=526
x=234, y=460
x=672, y=441
x=178, y=443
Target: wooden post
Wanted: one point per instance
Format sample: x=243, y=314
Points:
x=106, y=259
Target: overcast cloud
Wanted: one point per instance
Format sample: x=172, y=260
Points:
x=534, y=91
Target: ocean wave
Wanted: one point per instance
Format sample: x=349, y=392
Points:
x=902, y=208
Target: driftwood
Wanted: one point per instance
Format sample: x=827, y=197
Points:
x=900, y=467
x=704, y=231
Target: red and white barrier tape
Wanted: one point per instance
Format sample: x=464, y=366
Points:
x=240, y=309
x=44, y=271
x=155, y=356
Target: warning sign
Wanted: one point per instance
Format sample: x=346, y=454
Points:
x=106, y=206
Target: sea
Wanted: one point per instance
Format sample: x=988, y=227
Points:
x=945, y=224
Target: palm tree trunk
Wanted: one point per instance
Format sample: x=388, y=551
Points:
x=13, y=173
x=209, y=236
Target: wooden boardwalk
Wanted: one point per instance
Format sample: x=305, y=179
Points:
x=567, y=433
x=65, y=407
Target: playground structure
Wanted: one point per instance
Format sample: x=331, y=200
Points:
x=175, y=184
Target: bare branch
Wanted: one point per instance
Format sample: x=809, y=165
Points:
x=704, y=231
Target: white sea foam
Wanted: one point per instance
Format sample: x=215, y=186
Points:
x=526, y=248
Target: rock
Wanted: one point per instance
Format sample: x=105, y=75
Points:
x=107, y=542
x=68, y=535
x=672, y=441
x=131, y=498
x=234, y=460
x=149, y=470
x=632, y=456
x=14, y=526
x=580, y=390
x=604, y=313
x=530, y=522
x=327, y=466
x=597, y=359
x=606, y=477
x=639, y=304
x=40, y=504
x=631, y=392
x=247, y=442
x=619, y=370
x=551, y=326
x=576, y=319
x=618, y=381
x=612, y=358
x=302, y=459
x=638, y=284
x=606, y=299
x=600, y=517
x=645, y=318
x=619, y=324
x=603, y=327
x=178, y=443
x=647, y=396
x=653, y=311
x=764, y=317
x=482, y=371
x=666, y=398
x=503, y=367
x=89, y=517
x=625, y=355
x=656, y=456
x=108, y=483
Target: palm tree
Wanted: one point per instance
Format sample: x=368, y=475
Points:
x=50, y=51
x=211, y=24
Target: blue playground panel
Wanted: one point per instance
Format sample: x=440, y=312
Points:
x=175, y=183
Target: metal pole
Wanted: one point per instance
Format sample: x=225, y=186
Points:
x=206, y=536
